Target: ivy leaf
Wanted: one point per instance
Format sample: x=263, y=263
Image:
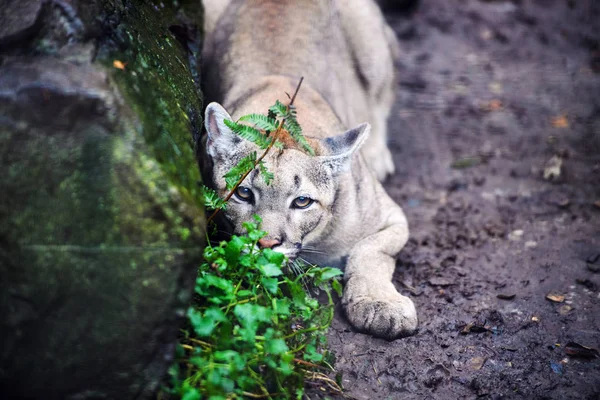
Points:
x=248, y=314
x=281, y=306
x=233, y=249
x=329, y=272
x=235, y=360
x=191, y=394
x=337, y=286
x=271, y=270
x=205, y=324
x=274, y=256
x=311, y=354
x=276, y=346
x=271, y=284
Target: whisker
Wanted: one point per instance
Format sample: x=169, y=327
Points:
x=294, y=268
x=310, y=249
x=299, y=266
x=314, y=251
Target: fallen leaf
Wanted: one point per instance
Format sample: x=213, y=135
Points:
x=565, y=309
x=560, y=121
x=466, y=162
x=564, y=203
x=578, y=350
x=492, y=105
x=553, y=168
x=477, y=363
x=119, y=64
x=495, y=87
x=473, y=328
x=439, y=281
x=506, y=296
x=530, y=244
x=517, y=234
x=556, y=298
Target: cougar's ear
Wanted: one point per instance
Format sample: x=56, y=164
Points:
x=221, y=140
x=339, y=149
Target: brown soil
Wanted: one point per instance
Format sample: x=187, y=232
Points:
x=489, y=92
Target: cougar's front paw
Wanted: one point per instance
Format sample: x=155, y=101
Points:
x=387, y=314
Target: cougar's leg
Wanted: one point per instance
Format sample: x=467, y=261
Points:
x=371, y=301
x=374, y=47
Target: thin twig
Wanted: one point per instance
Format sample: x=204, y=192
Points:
x=275, y=137
x=257, y=396
x=296, y=92
x=318, y=376
x=308, y=364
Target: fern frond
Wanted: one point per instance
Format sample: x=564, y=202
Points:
x=261, y=121
x=235, y=174
x=267, y=176
x=211, y=199
x=295, y=131
x=279, y=109
x=249, y=133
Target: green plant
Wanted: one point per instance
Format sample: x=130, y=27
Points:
x=254, y=331
x=264, y=131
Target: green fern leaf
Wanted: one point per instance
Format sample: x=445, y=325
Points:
x=279, y=109
x=248, y=133
x=293, y=127
x=267, y=176
x=211, y=199
x=234, y=175
x=261, y=121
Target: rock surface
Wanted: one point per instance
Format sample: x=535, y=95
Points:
x=101, y=228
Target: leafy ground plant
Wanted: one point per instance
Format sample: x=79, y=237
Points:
x=254, y=331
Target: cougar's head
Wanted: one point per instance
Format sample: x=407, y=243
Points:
x=297, y=206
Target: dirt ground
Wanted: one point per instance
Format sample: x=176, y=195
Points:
x=492, y=95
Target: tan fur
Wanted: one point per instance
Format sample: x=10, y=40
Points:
x=253, y=55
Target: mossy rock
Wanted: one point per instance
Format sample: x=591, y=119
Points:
x=101, y=226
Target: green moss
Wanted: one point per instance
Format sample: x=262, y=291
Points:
x=158, y=85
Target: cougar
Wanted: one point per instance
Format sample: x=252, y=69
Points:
x=330, y=208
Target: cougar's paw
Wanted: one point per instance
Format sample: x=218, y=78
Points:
x=389, y=317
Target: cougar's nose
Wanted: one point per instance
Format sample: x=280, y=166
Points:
x=268, y=243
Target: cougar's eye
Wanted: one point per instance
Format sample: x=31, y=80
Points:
x=302, y=202
x=243, y=193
